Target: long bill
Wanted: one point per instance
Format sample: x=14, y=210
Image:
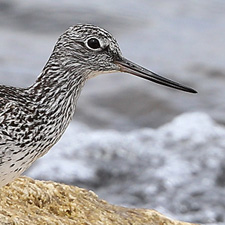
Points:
x=132, y=68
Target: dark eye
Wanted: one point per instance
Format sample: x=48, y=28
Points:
x=93, y=43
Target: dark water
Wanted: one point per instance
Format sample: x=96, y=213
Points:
x=183, y=40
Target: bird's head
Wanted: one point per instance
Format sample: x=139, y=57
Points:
x=96, y=51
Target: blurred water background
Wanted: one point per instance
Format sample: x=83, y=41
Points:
x=124, y=142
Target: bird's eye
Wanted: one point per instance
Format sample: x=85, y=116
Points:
x=93, y=43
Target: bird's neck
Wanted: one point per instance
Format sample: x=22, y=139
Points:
x=57, y=89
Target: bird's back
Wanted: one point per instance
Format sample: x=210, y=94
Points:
x=17, y=129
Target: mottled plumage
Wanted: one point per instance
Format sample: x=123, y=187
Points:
x=33, y=119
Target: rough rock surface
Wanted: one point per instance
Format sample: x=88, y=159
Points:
x=27, y=201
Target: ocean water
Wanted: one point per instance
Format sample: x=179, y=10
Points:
x=177, y=169
x=124, y=140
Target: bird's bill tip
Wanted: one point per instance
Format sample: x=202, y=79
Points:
x=127, y=66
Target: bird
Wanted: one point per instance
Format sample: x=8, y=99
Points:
x=34, y=118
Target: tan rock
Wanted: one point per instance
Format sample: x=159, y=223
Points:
x=27, y=201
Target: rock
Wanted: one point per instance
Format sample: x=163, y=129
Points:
x=27, y=201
